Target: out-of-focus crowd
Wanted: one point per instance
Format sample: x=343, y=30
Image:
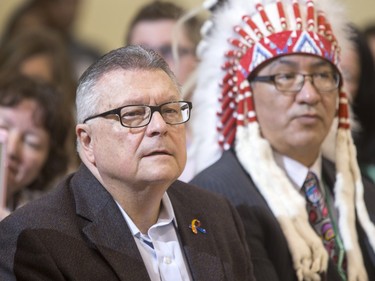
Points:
x=42, y=60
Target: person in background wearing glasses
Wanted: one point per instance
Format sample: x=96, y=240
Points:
x=305, y=217
x=123, y=215
x=155, y=26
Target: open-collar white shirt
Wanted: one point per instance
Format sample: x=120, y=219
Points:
x=162, y=255
x=296, y=171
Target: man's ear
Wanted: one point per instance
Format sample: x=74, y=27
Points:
x=83, y=132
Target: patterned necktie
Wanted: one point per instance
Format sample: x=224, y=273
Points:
x=318, y=213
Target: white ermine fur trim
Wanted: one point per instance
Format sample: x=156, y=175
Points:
x=255, y=154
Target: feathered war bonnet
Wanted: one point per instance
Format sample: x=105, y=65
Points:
x=240, y=37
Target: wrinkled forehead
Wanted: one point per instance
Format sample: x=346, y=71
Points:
x=135, y=86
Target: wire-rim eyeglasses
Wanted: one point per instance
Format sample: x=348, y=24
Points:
x=294, y=82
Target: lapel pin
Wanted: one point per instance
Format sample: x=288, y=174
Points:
x=195, y=227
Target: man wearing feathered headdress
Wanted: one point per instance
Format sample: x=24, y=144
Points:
x=270, y=71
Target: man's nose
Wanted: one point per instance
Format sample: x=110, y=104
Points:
x=157, y=124
x=308, y=93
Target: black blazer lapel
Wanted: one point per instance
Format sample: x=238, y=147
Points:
x=199, y=248
x=328, y=173
x=105, y=228
x=111, y=236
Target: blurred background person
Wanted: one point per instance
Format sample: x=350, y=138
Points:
x=59, y=16
x=98, y=22
x=40, y=54
x=32, y=114
x=358, y=70
x=156, y=26
x=369, y=32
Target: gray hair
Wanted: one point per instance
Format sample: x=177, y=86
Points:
x=126, y=58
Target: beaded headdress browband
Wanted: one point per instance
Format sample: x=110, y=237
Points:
x=240, y=37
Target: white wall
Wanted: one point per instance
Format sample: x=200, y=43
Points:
x=104, y=22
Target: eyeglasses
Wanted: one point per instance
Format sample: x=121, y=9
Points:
x=293, y=82
x=136, y=116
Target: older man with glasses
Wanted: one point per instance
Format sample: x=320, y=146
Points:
x=123, y=215
x=158, y=26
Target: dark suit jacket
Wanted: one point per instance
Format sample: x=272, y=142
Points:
x=269, y=250
x=78, y=233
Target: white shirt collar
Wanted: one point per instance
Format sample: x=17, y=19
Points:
x=165, y=217
x=296, y=171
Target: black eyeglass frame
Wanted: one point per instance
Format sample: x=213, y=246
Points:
x=272, y=78
x=153, y=108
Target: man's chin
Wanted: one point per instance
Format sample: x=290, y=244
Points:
x=163, y=175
